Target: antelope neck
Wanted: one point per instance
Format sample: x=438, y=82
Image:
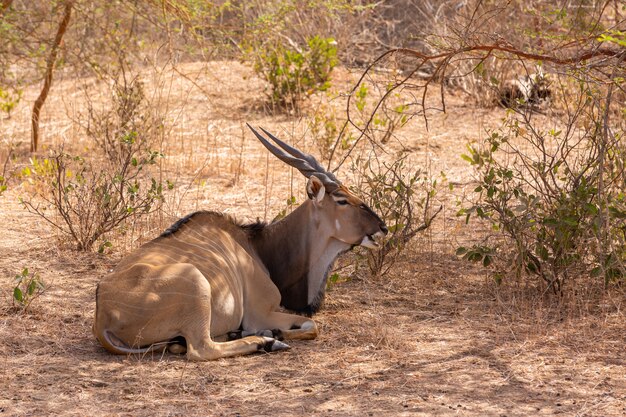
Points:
x=298, y=253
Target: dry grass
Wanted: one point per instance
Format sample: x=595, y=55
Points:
x=433, y=338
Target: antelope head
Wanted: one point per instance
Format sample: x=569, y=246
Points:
x=348, y=218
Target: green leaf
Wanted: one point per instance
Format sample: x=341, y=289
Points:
x=17, y=294
x=104, y=245
x=32, y=286
x=571, y=221
x=550, y=222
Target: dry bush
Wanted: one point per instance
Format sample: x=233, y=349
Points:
x=402, y=197
x=87, y=197
x=556, y=194
x=554, y=191
x=130, y=125
x=253, y=23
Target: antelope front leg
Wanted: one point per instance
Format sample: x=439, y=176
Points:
x=282, y=325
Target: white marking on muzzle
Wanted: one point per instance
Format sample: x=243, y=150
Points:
x=370, y=241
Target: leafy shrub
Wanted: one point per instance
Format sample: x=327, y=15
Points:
x=90, y=200
x=375, y=113
x=379, y=119
x=28, y=286
x=129, y=126
x=292, y=72
x=559, y=205
x=402, y=197
x=324, y=127
x=9, y=99
x=92, y=197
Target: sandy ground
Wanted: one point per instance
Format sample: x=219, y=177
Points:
x=433, y=337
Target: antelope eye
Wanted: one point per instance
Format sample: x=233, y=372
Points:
x=342, y=202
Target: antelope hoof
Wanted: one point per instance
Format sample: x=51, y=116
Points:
x=273, y=345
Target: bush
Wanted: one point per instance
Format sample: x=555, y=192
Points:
x=292, y=72
x=91, y=197
x=90, y=200
x=557, y=196
x=129, y=126
x=28, y=286
x=402, y=197
x=9, y=99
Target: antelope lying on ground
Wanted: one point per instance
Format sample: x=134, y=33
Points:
x=208, y=277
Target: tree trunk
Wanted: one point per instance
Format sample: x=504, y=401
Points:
x=47, y=83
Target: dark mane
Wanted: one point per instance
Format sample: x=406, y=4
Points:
x=179, y=223
x=251, y=229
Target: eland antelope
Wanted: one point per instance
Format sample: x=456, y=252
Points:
x=208, y=279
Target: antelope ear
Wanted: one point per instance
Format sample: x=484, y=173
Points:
x=315, y=189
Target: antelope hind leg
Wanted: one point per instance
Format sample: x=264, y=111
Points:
x=193, y=317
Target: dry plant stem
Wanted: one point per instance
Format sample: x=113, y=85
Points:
x=6, y=161
x=605, y=137
x=54, y=50
x=404, y=238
